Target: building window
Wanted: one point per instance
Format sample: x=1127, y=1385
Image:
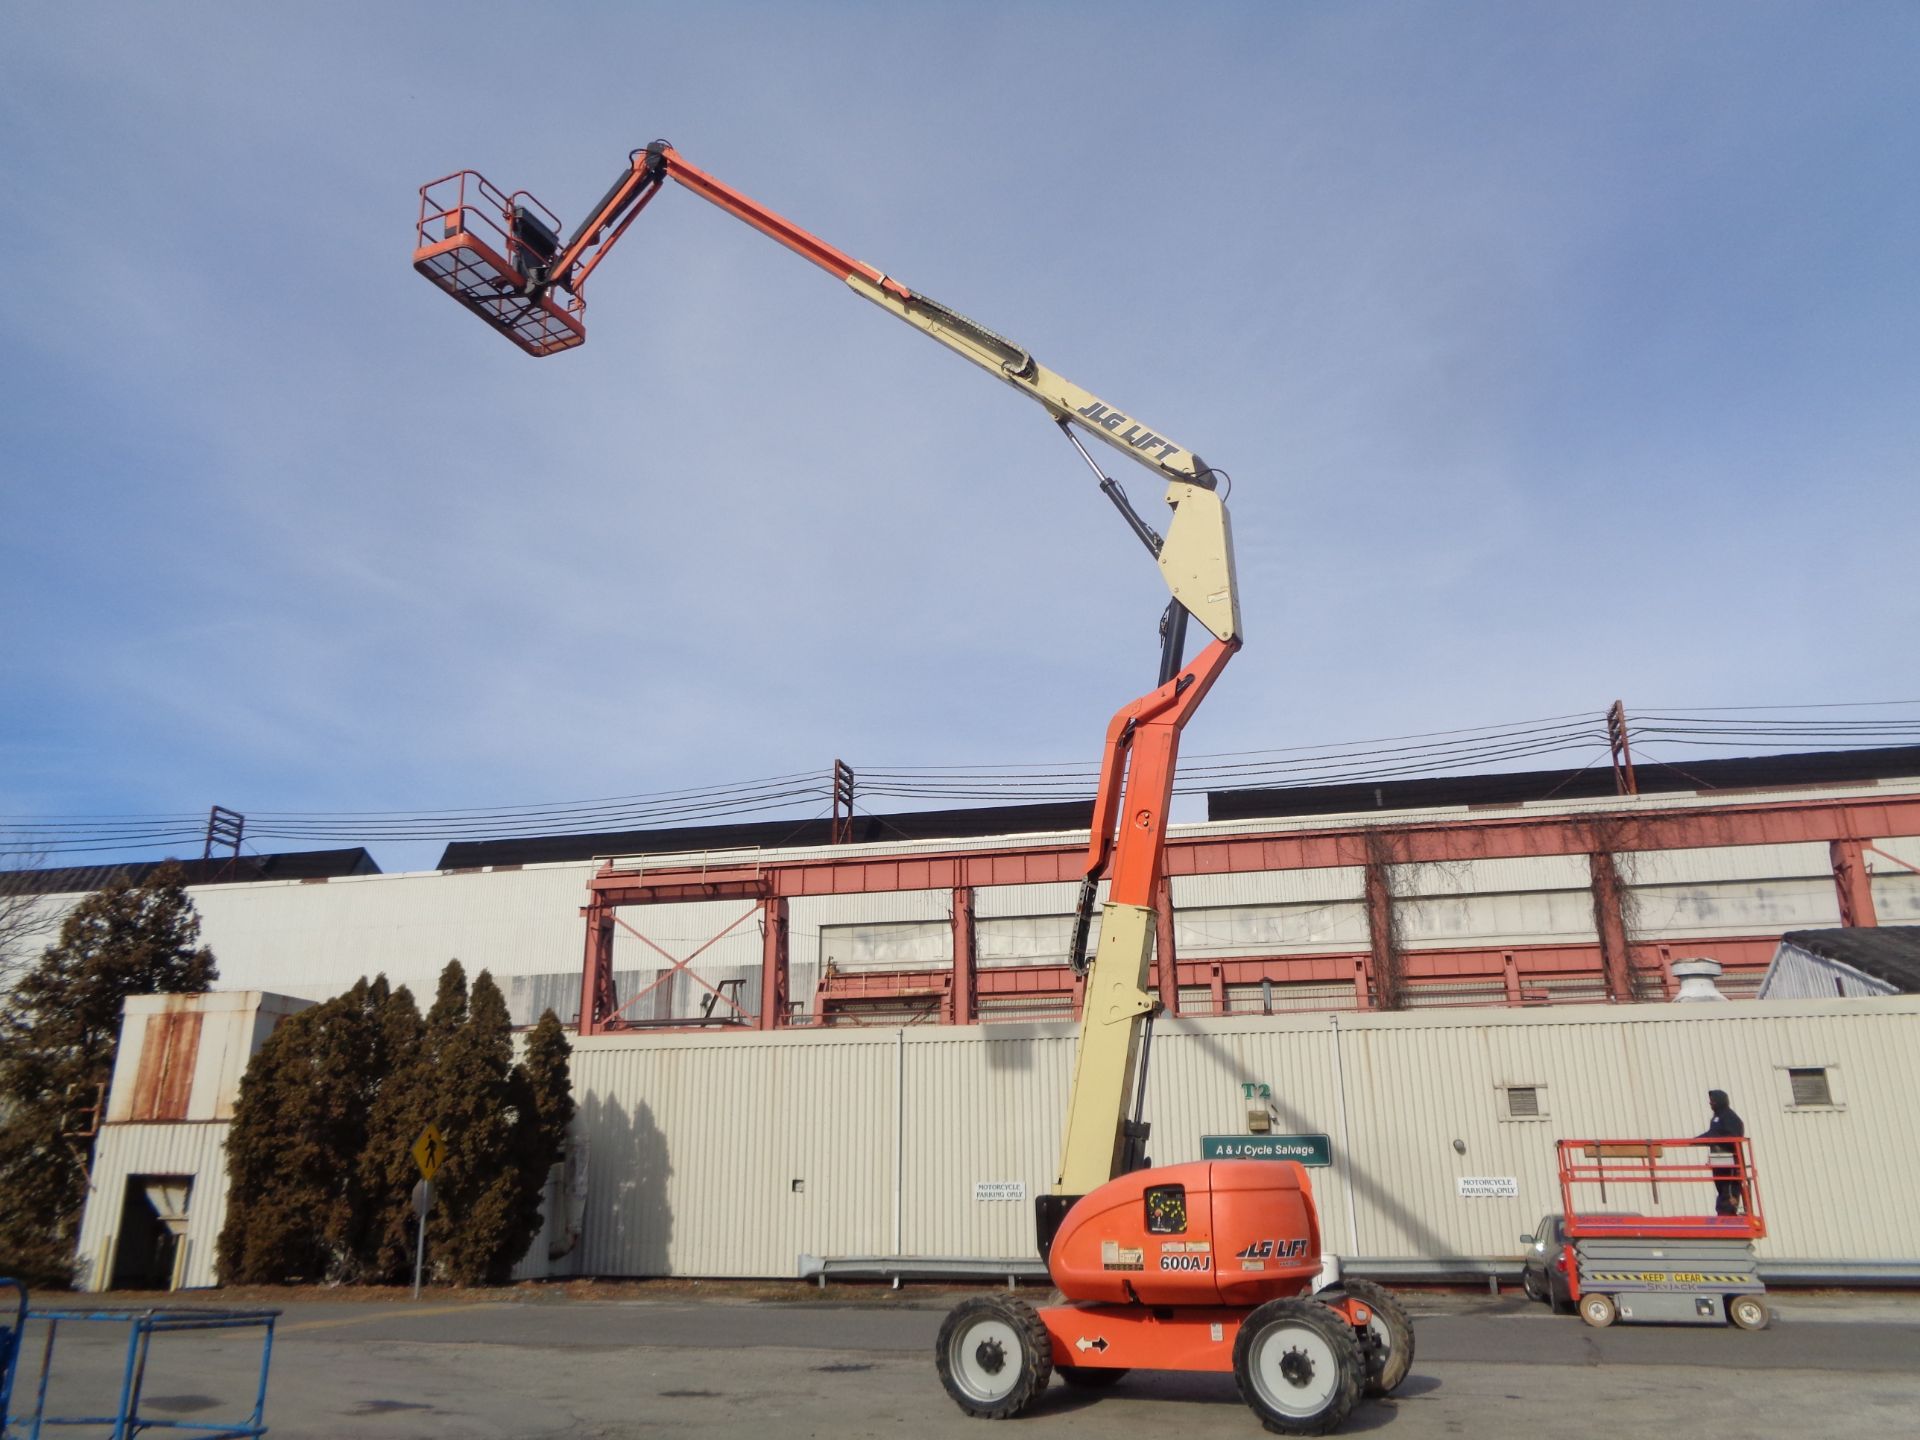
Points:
x=1526, y=1102
x=1810, y=1087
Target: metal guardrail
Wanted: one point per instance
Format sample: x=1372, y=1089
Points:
x=10, y=1333
x=1435, y=1271
x=143, y=1323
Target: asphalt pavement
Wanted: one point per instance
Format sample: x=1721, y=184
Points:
x=537, y=1364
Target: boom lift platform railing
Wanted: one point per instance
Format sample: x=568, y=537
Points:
x=1646, y=1239
x=479, y=245
x=124, y=1422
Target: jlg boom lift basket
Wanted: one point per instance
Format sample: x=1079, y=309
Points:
x=481, y=247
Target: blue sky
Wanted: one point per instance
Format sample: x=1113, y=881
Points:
x=1557, y=352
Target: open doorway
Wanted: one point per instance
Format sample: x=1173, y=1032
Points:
x=151, y=1251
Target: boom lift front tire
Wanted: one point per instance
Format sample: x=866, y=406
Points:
x=1390, y=1356
x=1598, y=1310
x=1749, y=1312
x=993, y=1356
x=1298, y=1367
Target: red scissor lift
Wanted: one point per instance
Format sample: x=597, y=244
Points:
x=1645, y=1241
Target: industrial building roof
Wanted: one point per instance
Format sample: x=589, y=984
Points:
x=1706, y=777
x=864, y=830
x=1886, y=952
x=221, y=869
x=1770, y=772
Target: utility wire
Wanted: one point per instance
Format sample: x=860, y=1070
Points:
x=1578, y=737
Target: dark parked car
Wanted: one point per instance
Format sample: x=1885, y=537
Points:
x=1544, y=1277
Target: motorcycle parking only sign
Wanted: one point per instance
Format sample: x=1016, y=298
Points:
x=1489, y=1187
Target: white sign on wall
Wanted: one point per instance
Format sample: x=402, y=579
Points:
x=1489, y=1187
x=999, y=1189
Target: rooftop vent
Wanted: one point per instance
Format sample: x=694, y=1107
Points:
x=1696, y=977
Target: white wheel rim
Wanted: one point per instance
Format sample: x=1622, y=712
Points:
x=986, y=1360
x=1295, y=1370
x=1377, y=1326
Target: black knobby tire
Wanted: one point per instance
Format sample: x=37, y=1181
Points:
x=1391, y=1356
x=1298, y=1366
x=994, y=1355
x=1087, y=1377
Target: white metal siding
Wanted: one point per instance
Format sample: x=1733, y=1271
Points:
x=1440, y=921
x=1797, y=974
x=195, y=1149
x=316, y=940
x=1896, y=896
x=1717, y=863
x=1271, y=887
x=695, y=1144
x=981, y=1105
x=1735, y=907
x=1517, y=873
x=1221, y=930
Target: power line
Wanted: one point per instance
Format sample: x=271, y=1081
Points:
x=1577, y=736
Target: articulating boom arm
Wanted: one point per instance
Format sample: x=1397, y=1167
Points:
x=1197, y=559
x=529, y=285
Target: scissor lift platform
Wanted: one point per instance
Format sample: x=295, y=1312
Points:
x=1682, y=1268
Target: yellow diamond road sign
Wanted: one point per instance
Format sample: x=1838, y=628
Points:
x=429, y=1151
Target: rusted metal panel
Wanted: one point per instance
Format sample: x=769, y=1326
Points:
x=164, y=1080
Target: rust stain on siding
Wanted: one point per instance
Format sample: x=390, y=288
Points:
x=164, y=1082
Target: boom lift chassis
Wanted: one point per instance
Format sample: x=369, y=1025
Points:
x=1142, y=1255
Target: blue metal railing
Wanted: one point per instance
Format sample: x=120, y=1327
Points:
x=126, y=1422
x=10, y=1334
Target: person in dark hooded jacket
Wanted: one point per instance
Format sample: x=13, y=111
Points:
x=1728, y=1196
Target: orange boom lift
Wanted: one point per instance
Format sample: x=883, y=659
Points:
x=1203, y=1267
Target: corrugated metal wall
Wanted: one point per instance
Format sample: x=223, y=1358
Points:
x=697, y=1142
x=197, y=1150
x=709, y=1156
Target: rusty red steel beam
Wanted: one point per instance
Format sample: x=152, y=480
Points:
x=1496, y=838
x=1533, y=964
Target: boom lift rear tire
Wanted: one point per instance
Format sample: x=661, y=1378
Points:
x=1391, y=1356
x=1298, y=1367
x=1749, y=1312
x=1598, y=1310
x=994, y=1355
